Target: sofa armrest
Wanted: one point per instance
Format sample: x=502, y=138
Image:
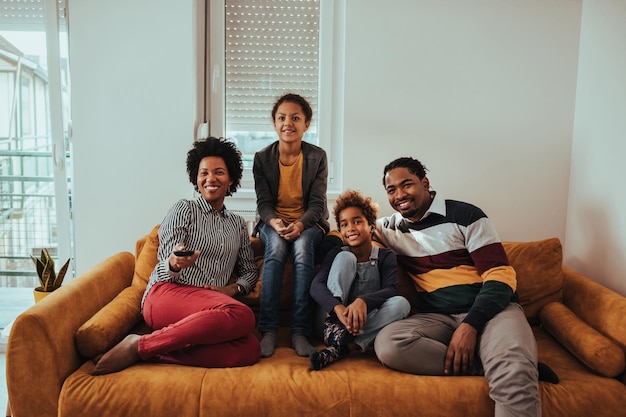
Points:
x=41, y=352
x=598, y=306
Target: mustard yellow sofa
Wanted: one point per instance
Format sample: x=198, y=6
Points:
x=580, y=328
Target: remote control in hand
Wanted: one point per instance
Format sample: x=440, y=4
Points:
x=183, y=252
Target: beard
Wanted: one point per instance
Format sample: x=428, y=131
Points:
x=409, y=214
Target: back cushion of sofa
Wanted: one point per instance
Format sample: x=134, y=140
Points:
x=538, y=266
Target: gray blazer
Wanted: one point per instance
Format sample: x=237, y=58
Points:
x=314, y=184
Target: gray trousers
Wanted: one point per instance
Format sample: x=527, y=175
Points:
x=506, y=349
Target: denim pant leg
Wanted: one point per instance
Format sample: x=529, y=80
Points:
x=336, y=290
x=341, y=275
x=303, y=271
x=276, y=251
x=395, y=308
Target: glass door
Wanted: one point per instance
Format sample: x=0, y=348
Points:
x=35, y=150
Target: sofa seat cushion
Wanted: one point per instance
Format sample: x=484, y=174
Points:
x=580, y=392
x=141, y=390
x=280, y=386
x=284, y=386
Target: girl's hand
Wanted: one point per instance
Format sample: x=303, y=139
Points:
x=177, y=263
x=277, y=224
x=293, y=231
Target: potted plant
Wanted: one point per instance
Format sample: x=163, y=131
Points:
x=49, y=280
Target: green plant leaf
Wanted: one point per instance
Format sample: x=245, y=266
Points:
x=39, y=265
x=49, y=260
x=48, y=279
x=59, y=279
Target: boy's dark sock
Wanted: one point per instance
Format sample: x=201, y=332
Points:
x=547, y=374
x=335, y=333
x=324, y=357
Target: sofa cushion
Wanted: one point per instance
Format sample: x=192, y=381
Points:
x=538, y=266
x=109, y=325
x=146, y=252
x=593, y=349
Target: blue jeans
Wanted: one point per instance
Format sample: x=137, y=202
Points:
x=277, y=249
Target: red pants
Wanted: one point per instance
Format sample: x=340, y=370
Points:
x=197, y=327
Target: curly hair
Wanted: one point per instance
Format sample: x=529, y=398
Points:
x=294, y=98
x=414, y=166
x=219, y=147
x=352, y=198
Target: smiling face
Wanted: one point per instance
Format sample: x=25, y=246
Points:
x=213, y=180
x=407, y=193
x=289, y=122
x=354, y=227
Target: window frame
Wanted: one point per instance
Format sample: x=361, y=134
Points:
x=330, y=95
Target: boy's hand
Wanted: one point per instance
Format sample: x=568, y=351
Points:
x=340, y=311
x=356, y=316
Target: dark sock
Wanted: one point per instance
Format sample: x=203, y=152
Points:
x=268, y=344
x=335, y=333
x=301, y=345
x=547, y=374
x=324, y=357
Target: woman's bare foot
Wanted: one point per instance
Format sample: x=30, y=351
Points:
x=121, y=356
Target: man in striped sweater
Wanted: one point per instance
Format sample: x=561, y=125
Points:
x=469, y=321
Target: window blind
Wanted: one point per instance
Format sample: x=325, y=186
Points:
x=28, y=15
x=272, y=48
x=22, y=15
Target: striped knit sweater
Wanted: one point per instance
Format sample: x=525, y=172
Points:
x=455, y=259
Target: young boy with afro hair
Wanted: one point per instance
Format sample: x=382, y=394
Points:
x=357, y=284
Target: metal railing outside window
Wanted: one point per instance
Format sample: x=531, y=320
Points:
x=35, y=174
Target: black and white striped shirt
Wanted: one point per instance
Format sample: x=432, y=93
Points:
x=222, y=239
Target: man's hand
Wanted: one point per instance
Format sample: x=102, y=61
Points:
x=460, y=354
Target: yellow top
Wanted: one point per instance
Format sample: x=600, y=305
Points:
x=290, y=205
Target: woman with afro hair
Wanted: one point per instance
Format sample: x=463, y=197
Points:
x=189, y=303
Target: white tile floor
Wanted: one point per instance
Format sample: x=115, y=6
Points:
x=3, y=384
x=12, y=302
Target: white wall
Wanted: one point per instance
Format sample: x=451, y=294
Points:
x=482, y=92
x=134, y=81
x=596, y=220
